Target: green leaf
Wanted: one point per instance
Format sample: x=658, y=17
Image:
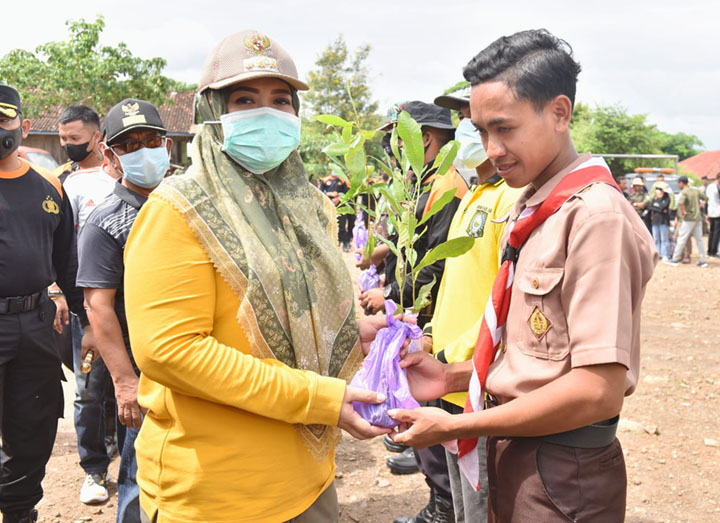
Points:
x=446, y=156
x=336, y=149
x=411, y=135
x=368, y=134
x=448, y=249
x=355, y=162
x=331, y=119
x=422, y=298
x=393, y=248
x=369, y=246
x=439, y=204
x=394, y=144
x=347, y=135
x=400, y=273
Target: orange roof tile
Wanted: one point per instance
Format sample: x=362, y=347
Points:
x=707, y=163
x=176, y=114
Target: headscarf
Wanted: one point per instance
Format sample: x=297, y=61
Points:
x=272, y=237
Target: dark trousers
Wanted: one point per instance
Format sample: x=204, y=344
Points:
x=714, y=236
x=532, y=481
x=31, y=402
x=433, y=464
x=346, y=222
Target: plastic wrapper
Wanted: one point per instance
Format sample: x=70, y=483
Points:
x=360, y=235
x=369, y=279
x=381, y=370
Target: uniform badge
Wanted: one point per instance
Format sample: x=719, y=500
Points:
x=476, y=228
x=132, y=115
x=50, y=207
x=257, y=44
x=539, y=324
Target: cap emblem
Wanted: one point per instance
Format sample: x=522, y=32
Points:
x=260, y=63
x=257, y=44
x=131, y=109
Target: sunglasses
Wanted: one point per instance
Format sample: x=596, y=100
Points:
x=151, y=142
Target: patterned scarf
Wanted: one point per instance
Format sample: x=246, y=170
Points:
x=496, y=310
x=272, y=238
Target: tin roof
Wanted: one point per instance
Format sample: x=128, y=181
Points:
x=707, y=163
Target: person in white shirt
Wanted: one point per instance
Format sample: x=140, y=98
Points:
x=87, y=188
x=712, y=191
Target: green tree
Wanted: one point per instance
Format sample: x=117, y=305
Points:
x=338, y=86
x=611, y=130
x=80, y=70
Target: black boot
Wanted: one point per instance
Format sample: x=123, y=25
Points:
x=444, y=510
x=21, y=516
x=403, y=463
x=392, y=446
x=426, y=514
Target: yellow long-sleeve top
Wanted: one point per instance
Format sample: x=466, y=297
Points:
x=468, y=279
x=219, y=441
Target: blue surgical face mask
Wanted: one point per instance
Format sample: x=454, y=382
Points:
x=260, y=139
x=145, y=167
x=471, y=152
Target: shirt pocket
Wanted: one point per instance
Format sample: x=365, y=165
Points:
x=543, y=332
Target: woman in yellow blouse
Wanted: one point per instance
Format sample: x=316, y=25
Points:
x=241, y=312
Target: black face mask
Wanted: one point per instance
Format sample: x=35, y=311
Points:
x=9, y=141
x=77, y=153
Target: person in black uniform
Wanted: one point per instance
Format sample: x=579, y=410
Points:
x=334, y=188
x=37, y=247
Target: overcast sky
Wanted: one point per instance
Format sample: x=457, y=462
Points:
x=656, y=57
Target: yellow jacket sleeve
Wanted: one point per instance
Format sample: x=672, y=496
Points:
x=171, y=290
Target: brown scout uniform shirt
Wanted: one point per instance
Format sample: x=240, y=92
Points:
x=578, y=286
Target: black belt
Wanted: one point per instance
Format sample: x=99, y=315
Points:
x=17, y=304
x=593, y=436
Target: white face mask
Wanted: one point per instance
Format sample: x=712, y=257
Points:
x=471, y=152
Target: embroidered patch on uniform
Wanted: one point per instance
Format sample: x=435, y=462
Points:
x=476, y=228
x=539, y=324
x=49, y=206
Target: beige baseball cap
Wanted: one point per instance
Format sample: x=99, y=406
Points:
x=246, y=55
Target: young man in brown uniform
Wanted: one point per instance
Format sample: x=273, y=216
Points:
x=575, y=268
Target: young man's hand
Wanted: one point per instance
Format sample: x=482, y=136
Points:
x=423, y=427
x=426, y=376
x=351, y=422
x=373, y=300
x=62, y=314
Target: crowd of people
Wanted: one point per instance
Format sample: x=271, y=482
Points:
x=220, y=327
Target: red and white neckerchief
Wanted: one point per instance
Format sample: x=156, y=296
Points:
x=593, y=171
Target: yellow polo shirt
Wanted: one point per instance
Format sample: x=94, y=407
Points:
x=220, y=440
x=467, y=280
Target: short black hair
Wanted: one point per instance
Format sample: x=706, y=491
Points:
x=536, y=65
x=83, y=113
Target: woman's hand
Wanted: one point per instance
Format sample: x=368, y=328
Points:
x=351, y=422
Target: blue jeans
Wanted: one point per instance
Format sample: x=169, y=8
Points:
x=662, y=239
x=90, y=407
x=128, y=490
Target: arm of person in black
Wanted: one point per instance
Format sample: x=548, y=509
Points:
x=65, y=260
x=437, y=231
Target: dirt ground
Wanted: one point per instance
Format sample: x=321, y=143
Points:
x=670, y=430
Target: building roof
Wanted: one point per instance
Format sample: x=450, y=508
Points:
x=176, y=114
x=707, y=163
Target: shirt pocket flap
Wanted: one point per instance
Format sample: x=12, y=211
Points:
x=539, y=282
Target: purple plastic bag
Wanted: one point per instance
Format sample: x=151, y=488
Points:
x=360, y=234
x=381, y=371
x=369, y=279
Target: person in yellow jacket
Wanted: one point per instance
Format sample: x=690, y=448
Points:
x=240, y=312
x=466, y=283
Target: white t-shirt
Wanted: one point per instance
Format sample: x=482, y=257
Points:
x=86, y=189
x=712, y=191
